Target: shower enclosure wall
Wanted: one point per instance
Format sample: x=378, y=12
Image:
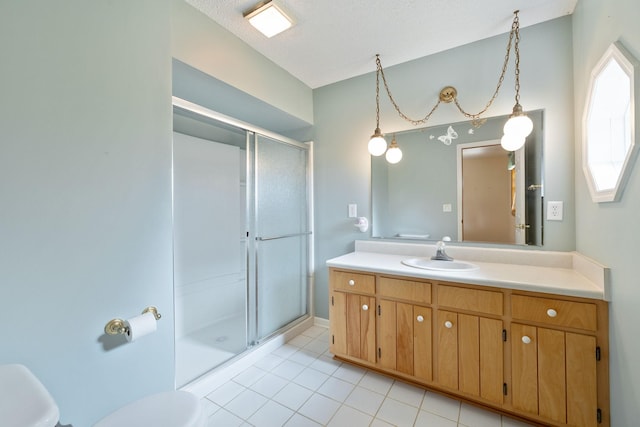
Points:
x=242, y=237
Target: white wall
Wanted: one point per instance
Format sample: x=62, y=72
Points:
x=608, y=232
x=344, y=117
x=85, y=188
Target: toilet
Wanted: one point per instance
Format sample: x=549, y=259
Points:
x=25, y=402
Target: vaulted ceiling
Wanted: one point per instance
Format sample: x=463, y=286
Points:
x=334, y=40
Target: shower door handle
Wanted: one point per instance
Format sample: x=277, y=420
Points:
x=284, y=236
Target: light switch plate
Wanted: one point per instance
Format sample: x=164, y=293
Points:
x=554, y=211
x=353, y=210
x=446, y=207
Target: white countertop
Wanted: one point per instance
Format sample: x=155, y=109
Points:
x=560, y=273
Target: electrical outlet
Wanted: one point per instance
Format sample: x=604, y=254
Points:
x=446, y=207
x=554, y=211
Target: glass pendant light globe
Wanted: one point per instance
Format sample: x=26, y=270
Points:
x=519, y=123
x=377, y=143
x=511, y=142
x=394, y=153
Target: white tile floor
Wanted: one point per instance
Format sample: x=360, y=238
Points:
x=299, y=384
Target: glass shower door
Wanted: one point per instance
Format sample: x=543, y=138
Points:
x=282, y=234
x=210, y=278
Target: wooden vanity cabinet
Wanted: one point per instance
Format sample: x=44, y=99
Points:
x=541, y=357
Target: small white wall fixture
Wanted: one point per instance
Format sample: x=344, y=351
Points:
x=609, y=145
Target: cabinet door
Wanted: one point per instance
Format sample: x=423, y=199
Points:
x=554, y=374
x=360, y=321
x=582, y=385
x=338, y=323
x=491, y=360
x=470, y=354
x=446, y=329
x=422, y=347
x=352, y=325
x=387, y=334
x=404, y=338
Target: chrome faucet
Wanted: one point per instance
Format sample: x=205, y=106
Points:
x=440, y=253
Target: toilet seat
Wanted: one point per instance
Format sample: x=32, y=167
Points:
x=168, y=409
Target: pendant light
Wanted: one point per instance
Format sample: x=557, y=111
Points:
x=394, y=154
x=519, y=125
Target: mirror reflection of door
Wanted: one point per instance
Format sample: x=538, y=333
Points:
x=491, y=207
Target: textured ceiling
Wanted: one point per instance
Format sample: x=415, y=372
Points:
x=333, y=40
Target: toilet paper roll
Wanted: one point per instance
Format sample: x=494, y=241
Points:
x=140, y=326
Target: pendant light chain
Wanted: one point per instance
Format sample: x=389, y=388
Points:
x=515, y=28
x=475, y=117
x=395, y=105
x=378, y=92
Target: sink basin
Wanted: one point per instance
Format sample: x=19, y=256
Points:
x=432, y=264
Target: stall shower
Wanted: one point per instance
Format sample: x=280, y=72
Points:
x=242, y=237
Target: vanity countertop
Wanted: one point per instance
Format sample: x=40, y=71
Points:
x=560, y=273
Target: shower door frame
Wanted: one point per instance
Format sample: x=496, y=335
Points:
x=251, y=132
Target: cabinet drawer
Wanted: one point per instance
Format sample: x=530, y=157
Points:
x=556, y=312
x=417, y=292
x=354, y=282
x=488, y=302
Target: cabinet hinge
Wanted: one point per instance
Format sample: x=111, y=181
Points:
x=599, y=415
x=598, y=353
x=504, y=335
x=504, y=388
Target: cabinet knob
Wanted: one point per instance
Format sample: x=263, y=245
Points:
x=352, y=282
x=420, y=319
x=448, y=324
x=526, y=339
x=365, y=307
x=552, y=313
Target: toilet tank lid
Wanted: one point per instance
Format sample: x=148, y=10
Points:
x=24, y=400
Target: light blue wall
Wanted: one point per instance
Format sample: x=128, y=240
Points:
x=85, y=187
x=344, y=118
x=609, y=232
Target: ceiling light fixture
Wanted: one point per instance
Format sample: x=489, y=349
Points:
x=517, y=128
x=268, y=18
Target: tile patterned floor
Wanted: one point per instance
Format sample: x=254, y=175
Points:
x=299, y=384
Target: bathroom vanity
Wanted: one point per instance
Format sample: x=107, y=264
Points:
x=526, y=333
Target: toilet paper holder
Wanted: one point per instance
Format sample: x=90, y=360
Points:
x=118, y=327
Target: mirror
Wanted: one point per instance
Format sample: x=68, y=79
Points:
x=609, y=125
x=423, y=196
